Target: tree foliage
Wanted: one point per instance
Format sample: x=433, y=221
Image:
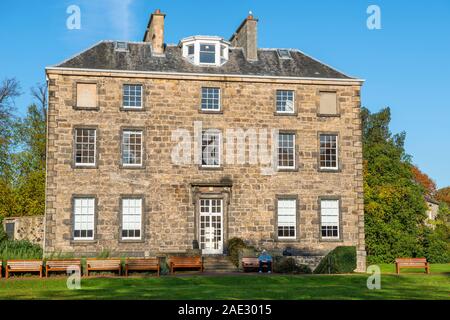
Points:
x=394, y=204
x=425, y=181
x=394, y=192
x=22, y=190
x=9, y=90
x=443, y=195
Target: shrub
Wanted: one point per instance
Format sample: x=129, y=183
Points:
x=436, y=248
x=235, y=245
x=289, y=265
x=17, y=250
x=340, y=260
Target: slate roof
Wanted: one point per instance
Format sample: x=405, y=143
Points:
x=103, y=56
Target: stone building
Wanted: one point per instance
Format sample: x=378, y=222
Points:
x=156, y=148
x=25, y=228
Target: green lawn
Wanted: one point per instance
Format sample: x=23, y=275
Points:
x=405, y=286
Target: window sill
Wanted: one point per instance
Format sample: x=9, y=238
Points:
x=319, y=115
x=285, y=114
x=210, y=111
x=331, y=240
x=330, y=170
x=210, y=168
x=125, y=167
x=79, y=108
x=83, y=242
x=287, y=240
x=124, y=109
x=125, y=241
x=84, y=167
x=287, y=169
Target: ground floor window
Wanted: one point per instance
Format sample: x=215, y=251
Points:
x=131, y=219
x=287, y=218
x=329, y=217
x=84, y=217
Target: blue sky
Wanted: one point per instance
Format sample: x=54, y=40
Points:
x=406, y=64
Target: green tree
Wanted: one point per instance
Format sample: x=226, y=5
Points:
x=394, y=204
x=444, y=195
x=437, y=240
x=9, y=90
x=29, y=163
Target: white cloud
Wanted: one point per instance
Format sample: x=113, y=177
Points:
x=113, y=17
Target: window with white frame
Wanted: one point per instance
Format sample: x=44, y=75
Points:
x=286, y=151
x=287, y=218
x=132, y=96
x=132, y=145
x=131, y=219
x=329, y=217
x=211, y=148
x=85, y=147
x=329, y=151
x=210, y=99
x=84, y=218
x=285, y=101
x=205, y=50
x=208, y=53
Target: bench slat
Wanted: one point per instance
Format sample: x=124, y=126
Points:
x=185, y=262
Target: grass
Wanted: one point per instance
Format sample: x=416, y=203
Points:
x=231, y=287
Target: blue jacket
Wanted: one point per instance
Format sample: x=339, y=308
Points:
x=265, y=257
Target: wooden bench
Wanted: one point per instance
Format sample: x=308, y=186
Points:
x=185, y=263
x=149, y=264
x=23, y=266
x=251, y=263
x=61, y=265
x=103, y=265
x=412, y=263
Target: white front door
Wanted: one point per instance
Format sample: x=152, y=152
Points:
x=211, y=226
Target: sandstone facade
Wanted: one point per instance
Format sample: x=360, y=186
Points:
x=171, y=192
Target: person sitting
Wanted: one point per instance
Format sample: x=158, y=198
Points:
x=265, y=259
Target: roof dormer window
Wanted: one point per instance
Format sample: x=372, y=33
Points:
x=205, y=50
x=208, y=53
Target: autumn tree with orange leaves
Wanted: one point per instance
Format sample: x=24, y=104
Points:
x=425, y=181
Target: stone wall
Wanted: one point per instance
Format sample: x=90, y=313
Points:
x=27, y=228
x=169, y=191
x=311, y=261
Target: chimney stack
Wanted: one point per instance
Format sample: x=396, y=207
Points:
x=155, y=32
x=246, y=37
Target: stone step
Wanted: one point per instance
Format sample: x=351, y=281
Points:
x=218, y=264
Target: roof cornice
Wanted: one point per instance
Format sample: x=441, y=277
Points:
x=196, y=76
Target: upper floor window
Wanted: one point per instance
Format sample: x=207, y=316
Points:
x=210, y=99
x=85, y=147
x=132, y=96
x=329, y=152
x=286, y=151
x=132, y=148
x=285, y=101
x=205, y=50
x=86, y=95
x=211, y=148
